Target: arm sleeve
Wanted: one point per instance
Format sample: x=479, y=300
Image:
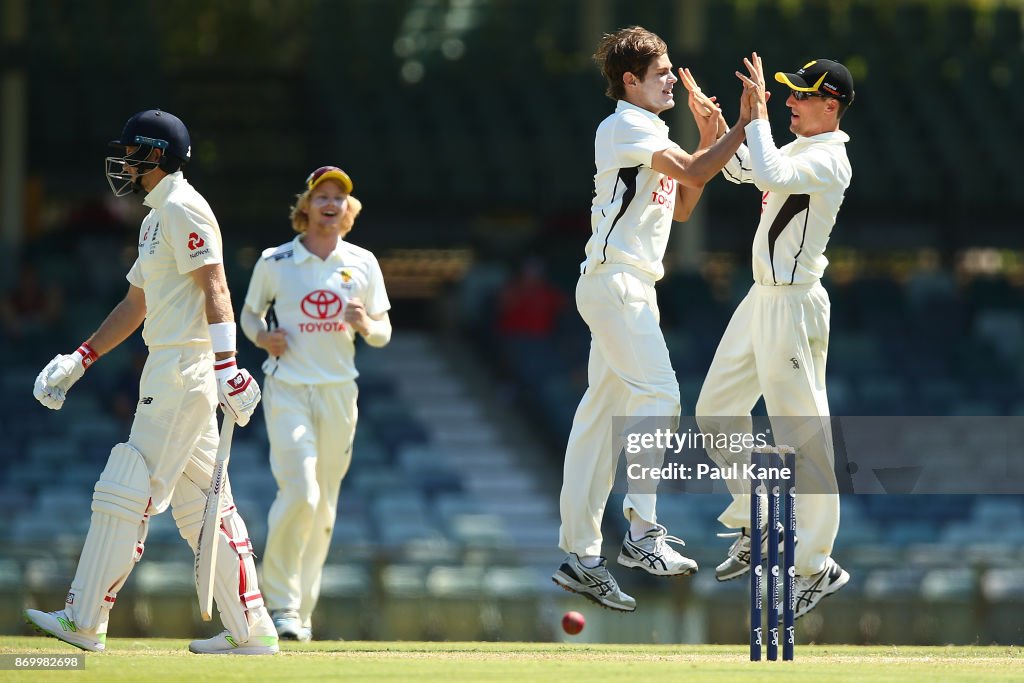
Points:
x=194, y=236
x=252, y=324
x=260, y=292
x=377, y=301
x=812, y=171
x=738, y=169
x=380, y=332
x=635, y=140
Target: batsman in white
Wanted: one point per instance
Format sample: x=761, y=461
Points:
x=777, y=341
x=307, y=300
x=178, y=289
x=644, y=181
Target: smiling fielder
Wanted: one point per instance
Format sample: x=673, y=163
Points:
x=307, y=300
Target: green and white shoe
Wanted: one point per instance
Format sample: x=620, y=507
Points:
x=225, y=644
x=60, y=626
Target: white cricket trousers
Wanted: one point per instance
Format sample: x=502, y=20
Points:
x=311, y=428
x=175, y=426
x=629, y=376
x=776, y=345
x=175, y=432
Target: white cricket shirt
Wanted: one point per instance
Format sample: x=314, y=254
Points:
x=179, y=234
x=803, y=185
x=305, y=296
x=631, y=215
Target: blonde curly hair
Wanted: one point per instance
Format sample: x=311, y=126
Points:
x=300, y=213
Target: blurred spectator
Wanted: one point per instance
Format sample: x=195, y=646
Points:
x=478, y=294
x=529, y=304
x=31, y=306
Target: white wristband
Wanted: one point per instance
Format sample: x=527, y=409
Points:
x=222, y=337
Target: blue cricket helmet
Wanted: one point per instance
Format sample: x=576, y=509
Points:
x=159, y=129
x=148, y=130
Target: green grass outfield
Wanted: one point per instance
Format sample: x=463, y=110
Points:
x=169, y=660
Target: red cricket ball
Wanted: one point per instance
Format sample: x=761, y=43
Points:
x=572, y=623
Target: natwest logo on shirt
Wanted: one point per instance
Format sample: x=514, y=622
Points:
x=196, y=244
x=322, y=305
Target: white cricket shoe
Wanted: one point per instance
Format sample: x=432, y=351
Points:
x=289, y=626
x=810, y=590
x=59, y=625
x=737, y=560
x=594, y=583
x=654, y=555
x=225, y=644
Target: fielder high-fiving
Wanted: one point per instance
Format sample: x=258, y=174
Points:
x=643, y=182
x=776, y=344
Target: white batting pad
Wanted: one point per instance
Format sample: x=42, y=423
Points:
x=235, y=589
x=115, y=541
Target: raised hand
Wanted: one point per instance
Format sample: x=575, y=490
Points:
x=706, y=112
x=754, y=101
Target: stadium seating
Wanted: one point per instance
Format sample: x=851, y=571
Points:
x=436, y=488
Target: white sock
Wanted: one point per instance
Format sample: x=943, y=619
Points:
x=639, y=526
x=590, y=561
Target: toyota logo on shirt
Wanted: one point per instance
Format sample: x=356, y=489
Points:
x=322, y=304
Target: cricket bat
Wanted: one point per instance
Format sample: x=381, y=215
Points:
x=206, y=548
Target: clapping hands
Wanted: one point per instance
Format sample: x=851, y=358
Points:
x=754, y=100
x=706, y=112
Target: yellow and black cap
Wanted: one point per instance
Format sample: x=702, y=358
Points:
x=824, y=77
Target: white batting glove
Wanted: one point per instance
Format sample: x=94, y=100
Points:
x=237, y=391
x=54, y=381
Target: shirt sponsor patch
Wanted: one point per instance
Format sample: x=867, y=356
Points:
x=322, y=305
x=196, y=245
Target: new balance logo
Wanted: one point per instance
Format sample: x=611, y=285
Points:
x=146, y=400
x=795, y=362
